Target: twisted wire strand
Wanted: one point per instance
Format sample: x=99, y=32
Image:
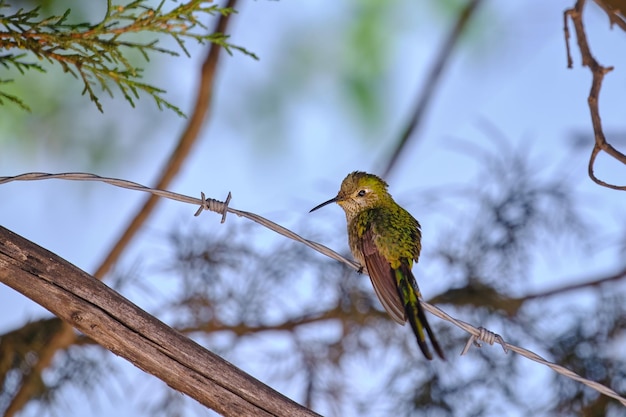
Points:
x=476, y=334
x=487, y=336
x=203, y=203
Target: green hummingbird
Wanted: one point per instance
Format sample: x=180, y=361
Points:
x=385, y=239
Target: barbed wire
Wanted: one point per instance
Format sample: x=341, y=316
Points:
x=477, y=334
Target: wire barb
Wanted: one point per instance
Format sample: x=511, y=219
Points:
x=203, y=206
x=225, y=210
x=484, y=335
x=214, y=205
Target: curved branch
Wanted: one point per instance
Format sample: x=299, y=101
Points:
x=598, y=72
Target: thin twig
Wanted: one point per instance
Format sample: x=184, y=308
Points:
x=573, y=287
x=431, y=81
x=598, y=72
x=613, y=14
x=219, y=207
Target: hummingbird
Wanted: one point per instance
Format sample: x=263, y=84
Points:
x=385, y=239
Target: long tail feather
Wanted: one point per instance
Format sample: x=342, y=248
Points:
x=433, y=341
x=414, y=311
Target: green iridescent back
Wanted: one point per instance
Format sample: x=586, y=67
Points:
x=397, y=233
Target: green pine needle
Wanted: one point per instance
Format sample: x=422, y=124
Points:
x=97, y=54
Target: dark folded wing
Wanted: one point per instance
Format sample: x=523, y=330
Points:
x=382, y=278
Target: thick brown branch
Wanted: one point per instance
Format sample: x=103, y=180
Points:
x=126, y=330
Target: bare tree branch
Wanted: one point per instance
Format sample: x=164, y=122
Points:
x=596, y=282
x=615, y=10
x=120, y=326
x=434, y=75
x=598, y=72
x=481, y=295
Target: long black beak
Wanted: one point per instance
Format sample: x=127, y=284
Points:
x=332, y=200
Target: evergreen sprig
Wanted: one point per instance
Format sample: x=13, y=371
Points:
x=94, y=53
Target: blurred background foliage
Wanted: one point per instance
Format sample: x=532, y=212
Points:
x=90, y=141
x=508, y=224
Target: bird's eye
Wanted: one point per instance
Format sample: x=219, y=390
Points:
x=361, y=193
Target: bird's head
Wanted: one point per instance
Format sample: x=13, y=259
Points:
x=359, y=191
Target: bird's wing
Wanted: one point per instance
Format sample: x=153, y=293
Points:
x=382, y=277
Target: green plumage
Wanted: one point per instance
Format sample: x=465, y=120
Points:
x=386, y=240
x=396, y=233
